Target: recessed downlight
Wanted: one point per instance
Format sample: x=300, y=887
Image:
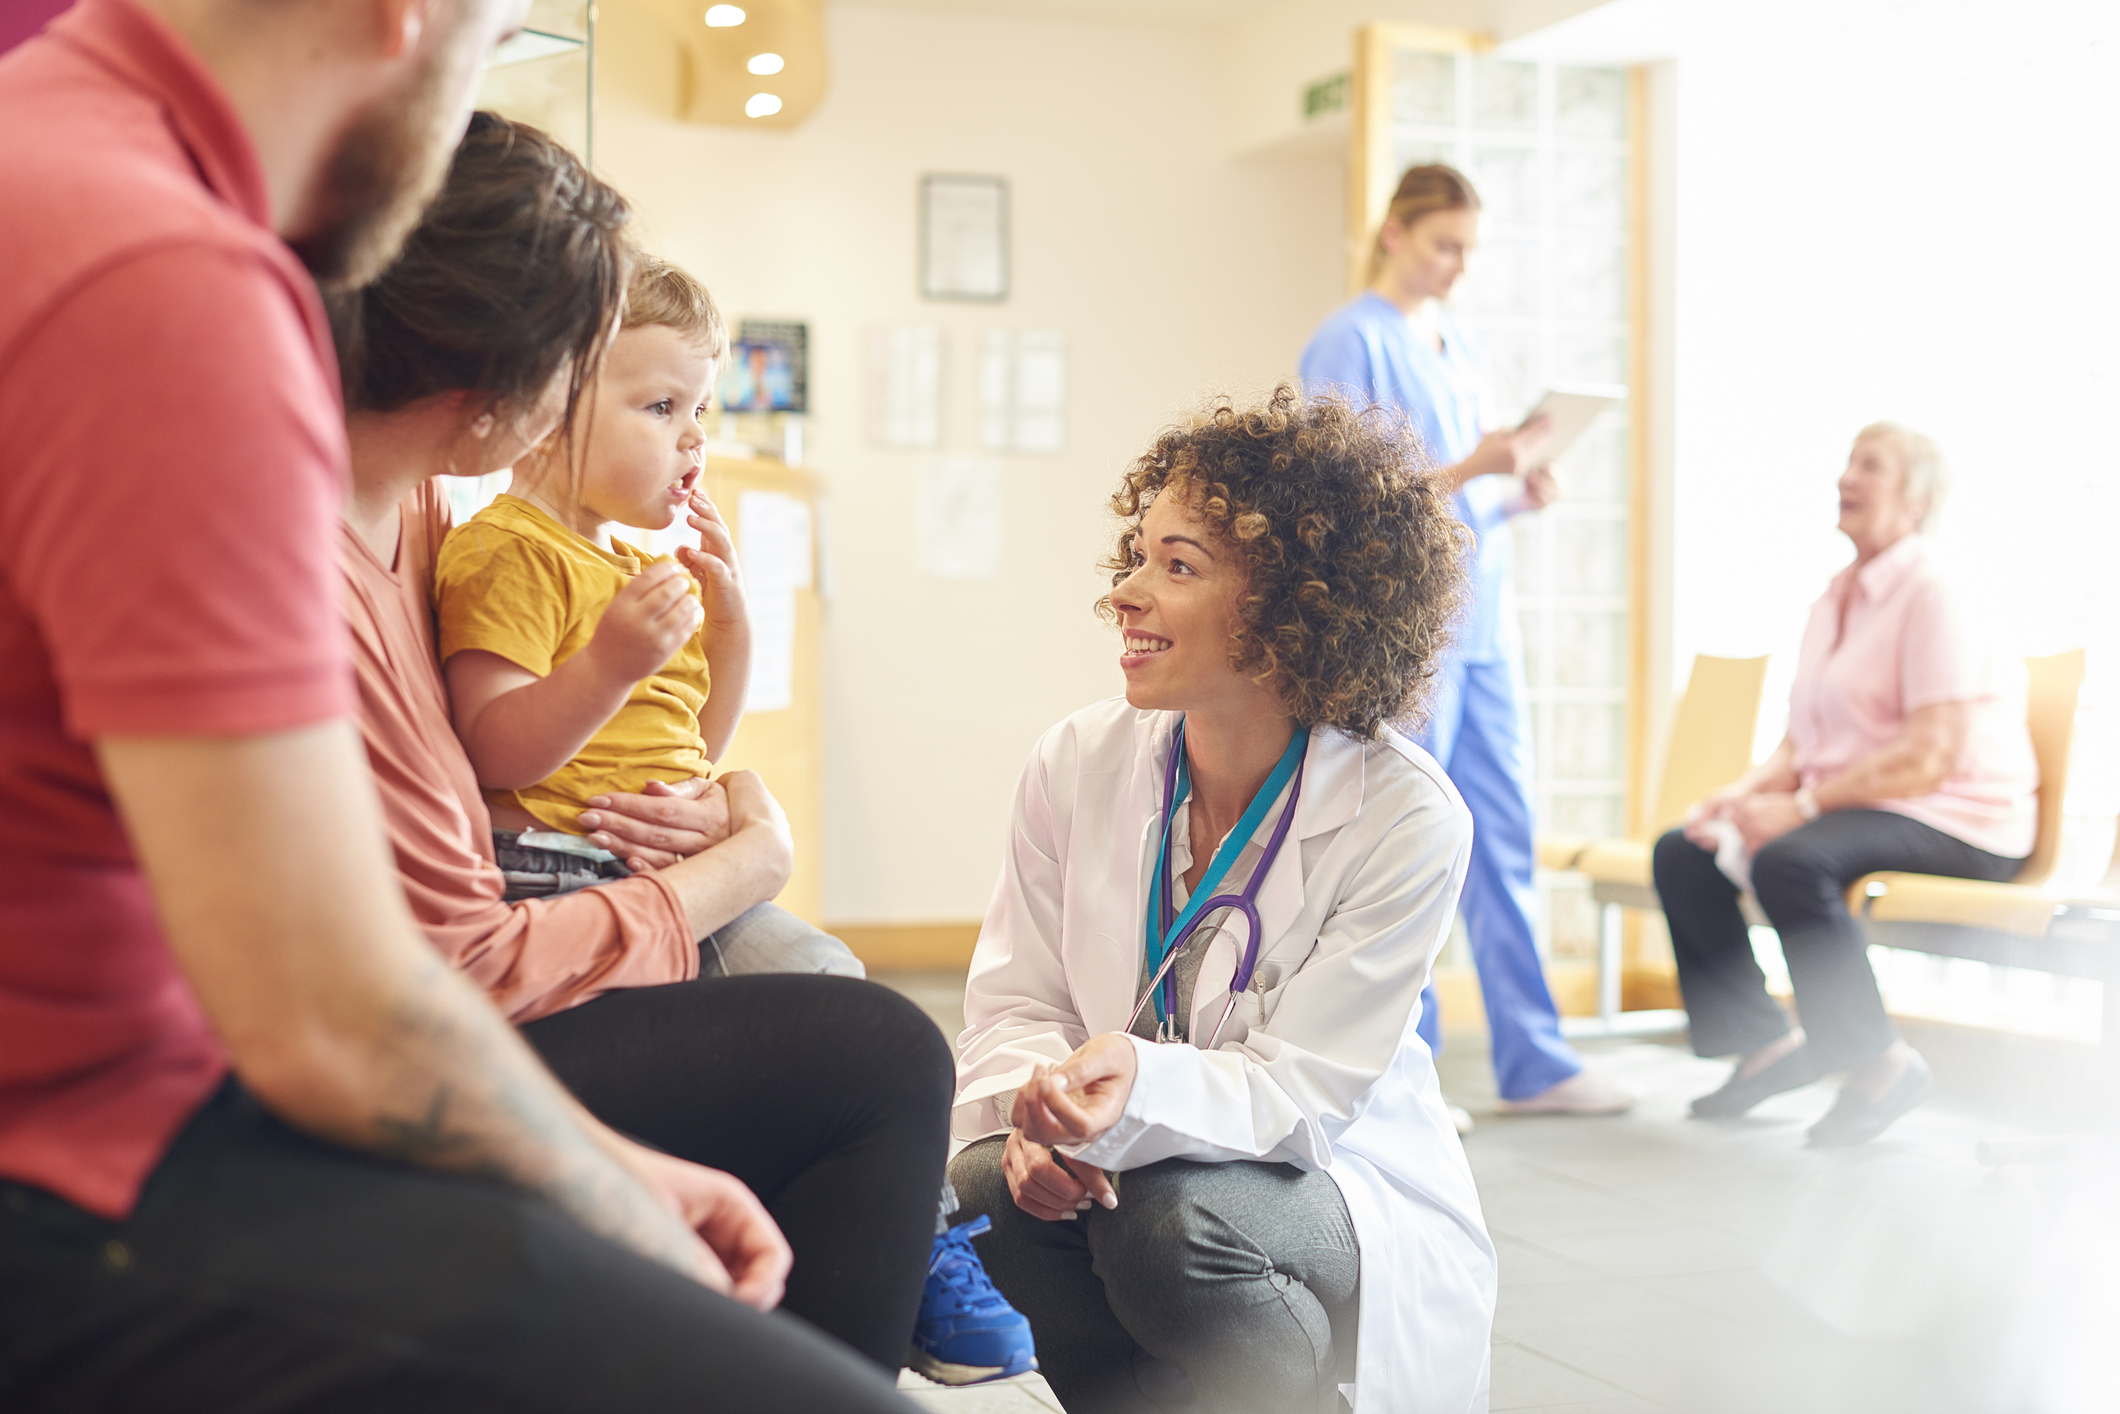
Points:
x=724, y=16
x=766, y=64
x=762, y=105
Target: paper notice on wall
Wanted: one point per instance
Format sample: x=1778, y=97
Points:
x=774, y=543
x=997, y=382
x=776, y=539
x=1023, y=390
x=1041, y=390
x=959, y=514
x=905, y=385
x=772, y=649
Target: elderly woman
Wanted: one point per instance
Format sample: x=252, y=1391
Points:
x=1904, y=751
x=1204, y=1127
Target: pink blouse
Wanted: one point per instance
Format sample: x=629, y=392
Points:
x=1901, y=646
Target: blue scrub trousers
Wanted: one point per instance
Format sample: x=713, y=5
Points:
x=1477, y=735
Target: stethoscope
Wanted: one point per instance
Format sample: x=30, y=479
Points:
x=1172, y=935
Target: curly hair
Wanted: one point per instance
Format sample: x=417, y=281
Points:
x=1354, y=558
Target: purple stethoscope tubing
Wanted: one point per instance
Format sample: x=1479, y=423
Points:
x=1246, y=903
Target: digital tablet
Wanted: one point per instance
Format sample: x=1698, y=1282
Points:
x=1573, y=407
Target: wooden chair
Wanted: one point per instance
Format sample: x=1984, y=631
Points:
x=2023, y=923
x=1710, y=746
x=2051, y=690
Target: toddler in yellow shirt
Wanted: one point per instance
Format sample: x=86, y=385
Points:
x=577, y=664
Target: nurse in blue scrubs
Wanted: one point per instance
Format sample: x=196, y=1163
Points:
x=1395, y=344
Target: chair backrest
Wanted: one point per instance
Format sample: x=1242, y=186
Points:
x=1711, y=733
x=2051, y=688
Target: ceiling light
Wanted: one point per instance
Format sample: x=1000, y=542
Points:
x=766, y=64
x=762, y=105
x=723, y=16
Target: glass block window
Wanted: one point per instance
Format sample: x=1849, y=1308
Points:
x=1547, y=295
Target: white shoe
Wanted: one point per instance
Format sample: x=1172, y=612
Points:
x=1583, y=1093
x=1460, y=1119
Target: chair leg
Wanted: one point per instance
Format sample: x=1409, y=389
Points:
x=1608, y=963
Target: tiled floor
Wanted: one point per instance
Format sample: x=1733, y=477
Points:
x=1650, y=1262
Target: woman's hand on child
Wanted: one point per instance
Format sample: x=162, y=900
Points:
x=754, y=811
x=647, y=623
x=1047, y=1186
x=1082, y=1097
x=715, y=566
x=661, y=825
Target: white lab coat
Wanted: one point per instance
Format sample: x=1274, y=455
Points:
x=1320, y=1065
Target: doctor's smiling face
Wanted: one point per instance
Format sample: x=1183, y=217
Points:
x=1177, y=614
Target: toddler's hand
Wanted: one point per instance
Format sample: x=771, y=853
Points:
x=646, y=624
x=714, y=565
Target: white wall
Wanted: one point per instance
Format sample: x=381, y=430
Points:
x=1174, y=270
x=1907, y=211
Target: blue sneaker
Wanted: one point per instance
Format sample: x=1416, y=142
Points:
x=967, y=1333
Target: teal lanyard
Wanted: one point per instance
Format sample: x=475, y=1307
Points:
x=1160, y=944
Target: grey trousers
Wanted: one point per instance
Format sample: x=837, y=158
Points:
x=1218, y=1288
x=768, y=938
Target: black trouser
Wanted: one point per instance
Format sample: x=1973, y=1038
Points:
x=1801, y=882
x=266, y=1271
x=829, y=1097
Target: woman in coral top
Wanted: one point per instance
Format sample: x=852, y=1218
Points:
x=462, y=355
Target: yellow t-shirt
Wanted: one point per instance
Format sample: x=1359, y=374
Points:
x=515, y=582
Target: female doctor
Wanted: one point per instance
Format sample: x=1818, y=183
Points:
x=1394, y=345
x=1209, y=1139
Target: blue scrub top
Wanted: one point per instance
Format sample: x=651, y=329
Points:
x=1368, y=351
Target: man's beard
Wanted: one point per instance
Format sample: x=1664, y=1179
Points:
x=387, y=164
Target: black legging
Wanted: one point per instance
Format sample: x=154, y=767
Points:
x=1801, y=882
x=829, y=1097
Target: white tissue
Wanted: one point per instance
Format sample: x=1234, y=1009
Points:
x=1731, y=856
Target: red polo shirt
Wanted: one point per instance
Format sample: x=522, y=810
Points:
x=171, y=465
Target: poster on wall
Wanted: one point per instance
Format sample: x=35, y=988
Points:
x=769, y=367
x=964, y=238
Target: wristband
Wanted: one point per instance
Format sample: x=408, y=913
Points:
x=1807, y=805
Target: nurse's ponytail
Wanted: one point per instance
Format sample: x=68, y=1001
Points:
x=1422, y=190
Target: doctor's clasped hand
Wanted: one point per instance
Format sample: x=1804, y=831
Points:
x=1074, y=1103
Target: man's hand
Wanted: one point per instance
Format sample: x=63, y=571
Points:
x=652, y=617
x=743, y=1253
x=661, y=825
x=1050, y=1187
x=1082, y=1097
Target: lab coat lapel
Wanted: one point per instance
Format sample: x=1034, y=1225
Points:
x=1332, y=796
x=1121, y=956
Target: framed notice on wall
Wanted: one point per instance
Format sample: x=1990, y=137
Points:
x=964, y=238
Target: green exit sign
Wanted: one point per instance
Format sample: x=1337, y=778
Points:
x=1328, y=95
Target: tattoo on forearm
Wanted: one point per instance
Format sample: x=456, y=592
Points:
x=476, y=1104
